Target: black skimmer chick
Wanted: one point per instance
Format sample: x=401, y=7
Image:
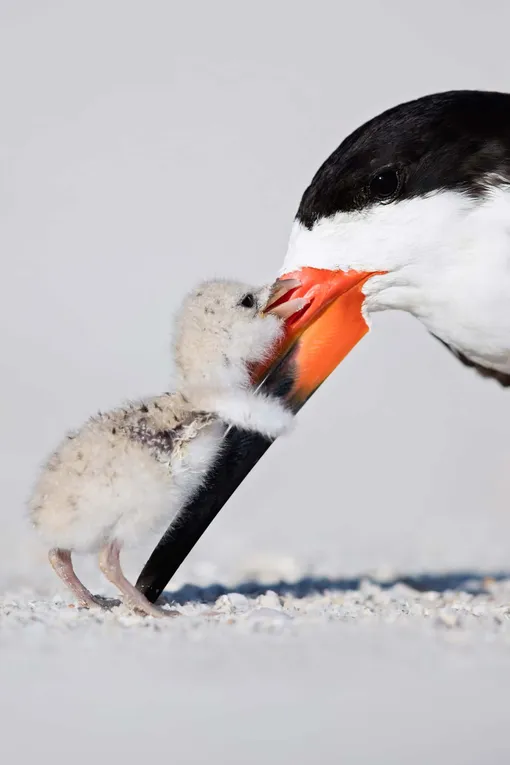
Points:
x=132, y=469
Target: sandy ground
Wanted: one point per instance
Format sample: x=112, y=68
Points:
x=319, y=669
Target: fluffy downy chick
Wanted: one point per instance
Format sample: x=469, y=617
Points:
x=132, y=469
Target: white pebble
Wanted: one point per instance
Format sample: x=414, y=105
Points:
x=269, y=600
x=448, y=617
x=238, y=601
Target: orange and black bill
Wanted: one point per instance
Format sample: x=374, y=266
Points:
x=320, y=335
x=323, y=314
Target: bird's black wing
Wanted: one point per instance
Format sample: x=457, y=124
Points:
x=500, y=377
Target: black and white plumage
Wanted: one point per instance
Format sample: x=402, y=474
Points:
x=132, y=469
x=421, y=193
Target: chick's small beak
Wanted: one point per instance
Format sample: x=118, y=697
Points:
x=286, y=308
x=324, y=321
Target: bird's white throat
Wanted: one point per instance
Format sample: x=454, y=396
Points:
x=447, y=258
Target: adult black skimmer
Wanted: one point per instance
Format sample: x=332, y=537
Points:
x=411, y=212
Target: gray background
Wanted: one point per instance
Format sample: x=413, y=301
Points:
x=146, y=145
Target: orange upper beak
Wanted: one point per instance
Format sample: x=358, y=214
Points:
x=320, y=335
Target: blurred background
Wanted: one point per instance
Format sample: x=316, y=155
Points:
x=145, y=146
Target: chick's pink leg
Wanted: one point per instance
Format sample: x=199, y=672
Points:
x=63, y=567
x=109, y=563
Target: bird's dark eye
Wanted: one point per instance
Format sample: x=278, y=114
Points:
x=248, y=301
x=384, y=185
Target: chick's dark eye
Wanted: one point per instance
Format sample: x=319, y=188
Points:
x=248, y=301
x=384, y=185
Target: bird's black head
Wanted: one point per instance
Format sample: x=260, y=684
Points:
x=451, y=140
